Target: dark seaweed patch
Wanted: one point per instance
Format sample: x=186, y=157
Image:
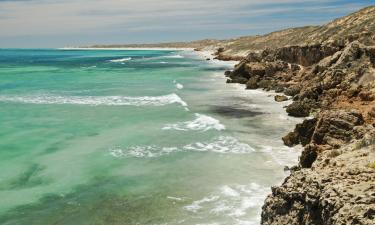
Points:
x=230, y=111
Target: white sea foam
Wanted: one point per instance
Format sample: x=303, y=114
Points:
x=200, y=123
x=174, y=56
x=97, y=100
x=228, y=191
x=222, y=145
x=120, y=60
x=179, y=86
x=175, y=198
x=231, y=201
x=282, y=155
x=196, y=205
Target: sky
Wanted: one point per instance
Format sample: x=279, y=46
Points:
x=61, y=23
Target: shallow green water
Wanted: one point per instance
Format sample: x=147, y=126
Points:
x=133, y=137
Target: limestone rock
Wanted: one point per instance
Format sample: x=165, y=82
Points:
x=300, y=108
x=281, y=98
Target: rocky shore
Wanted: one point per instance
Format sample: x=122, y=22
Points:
x=331, y=78
x=329, y=72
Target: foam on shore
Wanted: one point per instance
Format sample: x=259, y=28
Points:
x=221, y=144
x=231, y=201
x=200, y=123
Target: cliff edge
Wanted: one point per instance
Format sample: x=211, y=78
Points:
x=329, y=72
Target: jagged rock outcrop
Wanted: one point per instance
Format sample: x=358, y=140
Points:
x=330, y=77
x=339, y=188
x=302, y=134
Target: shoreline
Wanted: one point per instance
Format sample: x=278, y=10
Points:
x=332, y=85
x=128, y=49
x=333, y=132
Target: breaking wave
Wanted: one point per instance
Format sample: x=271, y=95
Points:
x=121, y=60
x=174, y=57
x=201, y=123
x=231, y=201
x=222, y=144
x=98, y=100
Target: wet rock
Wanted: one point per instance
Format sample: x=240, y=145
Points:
x=227, y=73
x=302, y=134
x=291, y=139
x=238, y=79
x=308, y=156
x=266, y=84
x=281, y=98
x=279, y=89
x=252, y=83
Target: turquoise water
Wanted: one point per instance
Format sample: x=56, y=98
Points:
x=133, y=137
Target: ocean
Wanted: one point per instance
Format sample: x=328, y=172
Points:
x=143, y=137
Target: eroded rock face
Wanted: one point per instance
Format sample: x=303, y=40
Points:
x=336, y=128
x=332, y=80
x=305, y=55
x=302, y=134
x=301, y=108
x=338, y=189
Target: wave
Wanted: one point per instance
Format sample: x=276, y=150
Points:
x=282, y=155
x=121, y=60
x=222, y=145
x=98, y=100
x=173, y=56
x=201, y=123
x=179, y=86
x=232, y=202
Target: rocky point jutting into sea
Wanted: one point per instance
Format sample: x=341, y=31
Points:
x=329, y=72
x=331, y=78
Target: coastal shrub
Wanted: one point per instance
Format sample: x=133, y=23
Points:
x=372, y=165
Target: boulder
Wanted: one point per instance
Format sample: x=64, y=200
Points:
x=252, y=83
x=292, y=90
x=300, y=108
x=291, y=139
x=227, y=73
x=266, y=84
x=281, y=98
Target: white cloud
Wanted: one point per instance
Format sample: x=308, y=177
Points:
x=94, y=17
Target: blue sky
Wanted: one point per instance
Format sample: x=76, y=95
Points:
x=59, y=23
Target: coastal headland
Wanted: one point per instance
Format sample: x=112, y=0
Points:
x=329, y=72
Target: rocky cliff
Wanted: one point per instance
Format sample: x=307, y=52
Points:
x=329, y=72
